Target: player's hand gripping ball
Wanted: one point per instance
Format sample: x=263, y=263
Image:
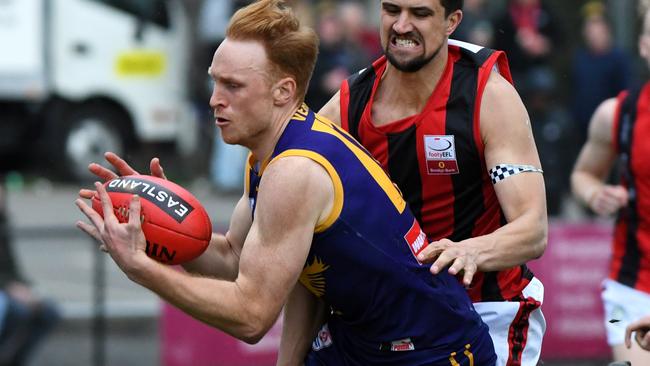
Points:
x=175, y=224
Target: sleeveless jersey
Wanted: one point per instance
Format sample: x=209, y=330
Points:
x=436, y=157
x=630, y=264
x=362, y=260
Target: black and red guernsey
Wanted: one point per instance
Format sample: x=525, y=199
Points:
x=630, y=263
x=436, y=157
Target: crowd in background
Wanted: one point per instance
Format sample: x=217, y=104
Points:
x=561, y=80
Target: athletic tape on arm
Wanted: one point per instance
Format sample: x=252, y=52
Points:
x=503, y=171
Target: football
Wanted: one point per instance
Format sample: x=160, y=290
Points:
x=175, y=224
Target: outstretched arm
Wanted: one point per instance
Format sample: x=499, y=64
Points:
x=288, y=208
x=594, y=164
x=522, y=197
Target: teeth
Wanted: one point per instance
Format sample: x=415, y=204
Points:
x=405, y=42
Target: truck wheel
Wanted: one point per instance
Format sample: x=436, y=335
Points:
x=85, y=135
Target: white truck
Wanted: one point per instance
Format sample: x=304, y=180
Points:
x=80, y=77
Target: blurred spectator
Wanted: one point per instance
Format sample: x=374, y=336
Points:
x=226, y=161
x=332, y=64
x=476, y=26
x=362, y=41
x=529, y=34
x=347, y=45
x=600, y=69
x=25, y=318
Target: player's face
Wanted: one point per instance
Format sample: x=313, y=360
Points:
x=412, y=32
x=241, y=99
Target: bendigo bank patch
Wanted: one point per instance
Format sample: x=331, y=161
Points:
x=168, y=201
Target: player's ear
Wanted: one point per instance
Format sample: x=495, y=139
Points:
x=284, y=91
x=453, y=20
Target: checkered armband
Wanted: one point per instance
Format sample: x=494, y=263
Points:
x=503, y=171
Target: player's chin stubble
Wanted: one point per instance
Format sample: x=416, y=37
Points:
x=412, y=65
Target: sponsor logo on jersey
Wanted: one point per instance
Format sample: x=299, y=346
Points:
x=323, y=339
x=416, y=239
x=169, y=202
x=402, y=345
x=440, y=154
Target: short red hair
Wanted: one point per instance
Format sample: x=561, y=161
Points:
x=291, y=49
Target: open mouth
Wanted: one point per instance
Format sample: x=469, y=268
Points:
x=404, y=41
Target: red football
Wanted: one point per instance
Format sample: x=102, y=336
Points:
x=174, y=222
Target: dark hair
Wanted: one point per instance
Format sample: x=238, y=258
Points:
x=292, y=49
x=451, y=6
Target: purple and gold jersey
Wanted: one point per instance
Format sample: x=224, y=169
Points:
x=386, y=307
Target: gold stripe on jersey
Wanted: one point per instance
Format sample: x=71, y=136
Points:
x=366, y=160
x=337, y=207
x=247, y=177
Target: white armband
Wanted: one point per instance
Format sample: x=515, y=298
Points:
x=503, y=171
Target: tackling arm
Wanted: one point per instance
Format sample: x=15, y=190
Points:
x=522, y=197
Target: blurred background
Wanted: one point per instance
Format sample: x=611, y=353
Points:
x=80, y=77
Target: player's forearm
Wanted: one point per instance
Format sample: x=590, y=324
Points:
x=228, y=306
x=303, y=316
x=585, y=186
x=220, y=260
x=514, y=244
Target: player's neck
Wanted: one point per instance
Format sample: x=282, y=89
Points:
x=265, y=142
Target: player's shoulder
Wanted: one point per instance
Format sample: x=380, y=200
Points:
x=602, y=120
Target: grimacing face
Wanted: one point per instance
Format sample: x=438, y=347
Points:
x=241, y=99
x=412, y=32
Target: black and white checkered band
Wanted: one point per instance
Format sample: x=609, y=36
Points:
x=503, y=171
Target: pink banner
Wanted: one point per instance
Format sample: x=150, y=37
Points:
x=186, y=341
x=572, y=269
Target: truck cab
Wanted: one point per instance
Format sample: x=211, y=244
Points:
x=81, y=77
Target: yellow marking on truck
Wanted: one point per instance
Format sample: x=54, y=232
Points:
x=140, y=64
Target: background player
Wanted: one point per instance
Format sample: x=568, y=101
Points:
x=317, y=209
x=618, y=130
x=437, y=115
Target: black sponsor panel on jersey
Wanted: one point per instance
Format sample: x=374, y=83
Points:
x=402, y=152
x=168, y=201
x=468, y=185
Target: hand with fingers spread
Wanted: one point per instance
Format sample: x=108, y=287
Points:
x=641, y=328
x=460, y=257
x=125, y=242
x=122, y=167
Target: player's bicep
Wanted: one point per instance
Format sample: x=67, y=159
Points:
x=292, y=198
x=240, y=223
x=505, y=126
x=597, y=155
x=510, y=148
x=332, y=109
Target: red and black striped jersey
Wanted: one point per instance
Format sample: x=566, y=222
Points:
x=630, y=264
x=436, y=157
